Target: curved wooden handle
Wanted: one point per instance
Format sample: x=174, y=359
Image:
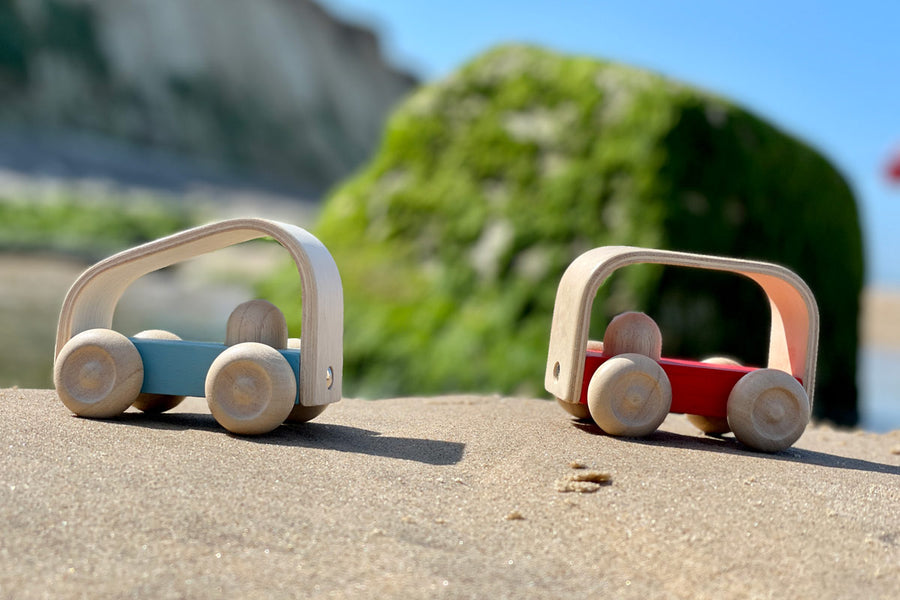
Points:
x=92, y=299
x=793, y=341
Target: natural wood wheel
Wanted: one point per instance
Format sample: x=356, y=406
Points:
x=302, y=414
x=713, y=425
x=629, y=395
x=250, y=388
x=157, y=403
x=576, y=409
x=98, y=373
x=768, y=410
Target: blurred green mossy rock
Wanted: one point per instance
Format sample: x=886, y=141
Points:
x=487, y=184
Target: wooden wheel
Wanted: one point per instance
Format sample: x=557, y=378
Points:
x=257, y=321
x=157, y=403
x=302, y=414
x=250, y=388
x=629, y=395
x=768, y=410
x=98, y=373
x=713, y=425
x=576, y=409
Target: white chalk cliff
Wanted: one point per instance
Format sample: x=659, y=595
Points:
x=274, y=86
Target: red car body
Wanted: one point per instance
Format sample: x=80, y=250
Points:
x=698, y=388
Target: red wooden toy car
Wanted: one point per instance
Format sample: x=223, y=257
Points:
x=627, y=388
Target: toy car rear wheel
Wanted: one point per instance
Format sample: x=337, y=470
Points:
x=98, y=373
x=629, y=395
x=768, y=410
x=713, y=425
x=250, y=388
x=576, y=409
x=302, y=414
x=157, y=403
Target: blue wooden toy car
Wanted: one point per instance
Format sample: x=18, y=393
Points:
x=255, y=381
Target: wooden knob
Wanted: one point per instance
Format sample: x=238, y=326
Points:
x=633, y=333
x=257, y=321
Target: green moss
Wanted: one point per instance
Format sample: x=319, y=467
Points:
x=452, y=240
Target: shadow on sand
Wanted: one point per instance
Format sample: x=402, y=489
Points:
x=324, y=436
x=727, y=444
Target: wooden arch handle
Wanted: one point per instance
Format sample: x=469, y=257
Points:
x=793, y=341
x=92, y=299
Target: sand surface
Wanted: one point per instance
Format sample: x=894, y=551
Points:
x=452, y=497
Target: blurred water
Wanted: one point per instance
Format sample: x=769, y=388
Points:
x=879, y=386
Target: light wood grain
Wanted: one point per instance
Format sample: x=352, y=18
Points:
x=302, y=414
x=91, y=301
x=768, y=410
x=629, y=395
x=794, y=334
x=250, y=388
x=634, y=333
x=257, y=321
x=98, y=373
x=576, y=409
x=261, y=321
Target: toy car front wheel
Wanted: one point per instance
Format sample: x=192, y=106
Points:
x=98, y=373
x=629, y=395
x=250, y=388
x=768, y=410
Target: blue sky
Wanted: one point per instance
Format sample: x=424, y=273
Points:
x=827, y=72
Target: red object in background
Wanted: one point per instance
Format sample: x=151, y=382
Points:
x=893, y=169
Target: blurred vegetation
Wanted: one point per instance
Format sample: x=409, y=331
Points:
x=488, y=183
x=65, y=28
x=89, y=228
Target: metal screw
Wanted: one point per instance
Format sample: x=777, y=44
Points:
x=329, y=377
